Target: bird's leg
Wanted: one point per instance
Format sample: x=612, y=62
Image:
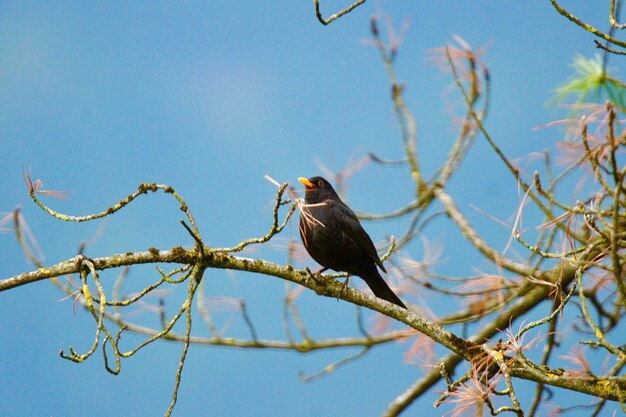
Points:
x=344, y=287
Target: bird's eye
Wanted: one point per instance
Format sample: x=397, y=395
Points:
x=320, y=183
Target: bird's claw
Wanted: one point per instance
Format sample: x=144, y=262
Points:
x=317, y=277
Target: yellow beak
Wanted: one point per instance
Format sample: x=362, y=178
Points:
x=307, y=183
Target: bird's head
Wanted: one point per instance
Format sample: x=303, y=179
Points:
x=317, y=189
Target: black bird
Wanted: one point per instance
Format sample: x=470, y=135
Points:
x=335, y=239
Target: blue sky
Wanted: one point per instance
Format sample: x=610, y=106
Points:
x=208, y=98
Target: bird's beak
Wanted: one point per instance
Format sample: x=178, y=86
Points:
x=307, y=183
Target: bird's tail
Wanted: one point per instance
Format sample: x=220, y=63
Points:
x=380, y=288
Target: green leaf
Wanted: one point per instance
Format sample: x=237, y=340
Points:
x=592, y=83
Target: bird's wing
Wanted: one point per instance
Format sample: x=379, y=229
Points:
x=351, y=225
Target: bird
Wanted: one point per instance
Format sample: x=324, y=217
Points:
x=333, y=236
